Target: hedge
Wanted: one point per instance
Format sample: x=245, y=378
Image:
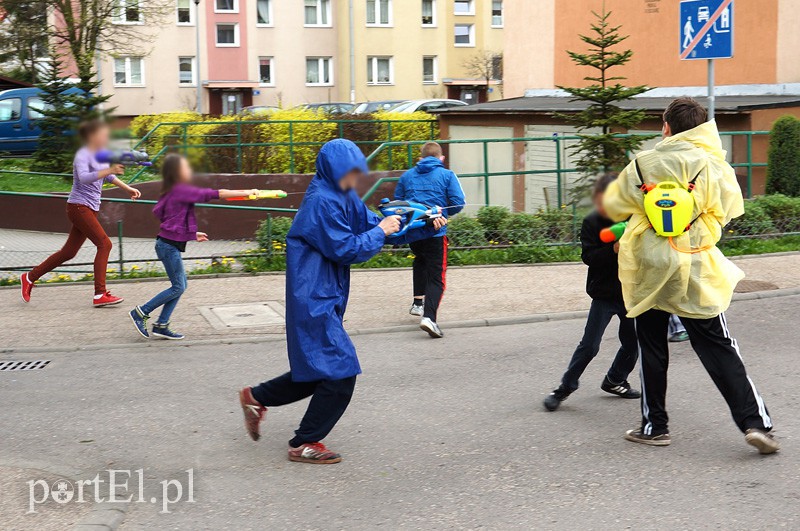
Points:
x=783, y=157
x=283, y=158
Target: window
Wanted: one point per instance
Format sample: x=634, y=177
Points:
x=185, y=12
x=428, y=12
x=35, y=106
x=126, y=12
x=266, y=70
x=264, y=12
x=226, y=6
x=379, y=12
x=318, y=71
x=227, y=35
x=186, y=71
x=379, y=71
x=465, y=35
x=429, y=69
x=10, y=109
x=465, y=7
x=317, y=12
x=497, y=13
x=128, y=71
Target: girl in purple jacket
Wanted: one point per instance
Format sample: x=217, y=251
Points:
x=175, y=209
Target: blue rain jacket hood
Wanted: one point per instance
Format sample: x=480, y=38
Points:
x=332, y=230
x=431, y=184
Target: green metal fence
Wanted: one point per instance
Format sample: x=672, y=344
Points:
x=235, y=140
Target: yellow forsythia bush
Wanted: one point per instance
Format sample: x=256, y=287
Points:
x=404, y=127
x=308, y=131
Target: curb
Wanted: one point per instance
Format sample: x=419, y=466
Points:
x=103, y=516
x=470, y=323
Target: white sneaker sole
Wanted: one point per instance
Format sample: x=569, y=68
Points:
x=431, y=331
x=764, y=443
x=161, y=336
x=103, y=305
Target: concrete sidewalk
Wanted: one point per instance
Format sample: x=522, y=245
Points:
x=60, y=316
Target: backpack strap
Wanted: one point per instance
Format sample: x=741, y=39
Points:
x=691, y=184
x=642, y=186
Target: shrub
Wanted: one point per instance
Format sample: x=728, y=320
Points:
x=491, y=218
x=271, y=233
x=307, y=137
x=559, y=224
x=783, y=211
x=523, y=229
x=464, y=231
x=783, y=157
x=403, y=130
x=754, y=221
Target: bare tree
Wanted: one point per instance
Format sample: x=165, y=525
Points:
x=83, y=30
x=485, y=65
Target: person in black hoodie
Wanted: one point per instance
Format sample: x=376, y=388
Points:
x=603, y=286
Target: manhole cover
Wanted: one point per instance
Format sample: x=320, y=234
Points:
x=251, y=315
x=749, y=286
x=29, y=365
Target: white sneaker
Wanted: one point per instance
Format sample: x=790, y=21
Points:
x=432, y=328
x=416, y=310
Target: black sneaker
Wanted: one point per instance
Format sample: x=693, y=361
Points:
x=637, y=436
x=622, y=390
x=554, y=399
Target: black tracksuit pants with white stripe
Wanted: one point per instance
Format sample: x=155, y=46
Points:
x=718, y=352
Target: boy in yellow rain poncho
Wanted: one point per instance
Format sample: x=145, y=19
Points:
x=688, y=276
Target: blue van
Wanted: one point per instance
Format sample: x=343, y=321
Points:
x=20, y=115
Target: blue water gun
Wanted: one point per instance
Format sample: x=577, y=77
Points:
x=412, y=215
x=126, y=158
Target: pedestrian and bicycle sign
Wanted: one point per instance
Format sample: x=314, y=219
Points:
x=706, y=29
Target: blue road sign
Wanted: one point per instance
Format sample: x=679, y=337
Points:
x=706, y=29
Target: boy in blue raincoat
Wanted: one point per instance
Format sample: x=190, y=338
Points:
x=431, y=184
x=332, y=230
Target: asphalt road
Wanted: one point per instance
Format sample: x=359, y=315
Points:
x=440, y=434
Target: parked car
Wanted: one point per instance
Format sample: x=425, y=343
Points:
x=369, y=107
x=329, y=108
x=426, y=105
x=254, y=110
x=20, y=115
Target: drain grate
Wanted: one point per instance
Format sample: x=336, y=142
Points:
x=29, y=365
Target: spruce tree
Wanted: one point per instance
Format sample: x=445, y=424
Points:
x=602, y=151
x=64, y=109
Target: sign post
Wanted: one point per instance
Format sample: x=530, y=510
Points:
x=706, y=32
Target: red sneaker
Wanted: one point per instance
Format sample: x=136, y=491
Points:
x=106, y=299
x=314, y=453
x=27, y=286
x=253, y=413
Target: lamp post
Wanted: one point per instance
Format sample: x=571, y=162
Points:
x=198, y=82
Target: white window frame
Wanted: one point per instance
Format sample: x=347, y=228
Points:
x=433, y=23
x=193, y=60
x=471, y=43
x=435, y=59
x=271, y=23
x=235, y=43
x=471, y=11
x=234, y=10
x=378, y=23
x=320, y=69
x=118, y=19
x=271, y=71
x=502, y=14
x=128, y=72
x=192, y=14
x=372, y=61
x=321, y=4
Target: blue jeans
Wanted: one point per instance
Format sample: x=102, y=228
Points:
x=600, y=315
x=170, y=256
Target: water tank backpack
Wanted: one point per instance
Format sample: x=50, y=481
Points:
x=669, y=207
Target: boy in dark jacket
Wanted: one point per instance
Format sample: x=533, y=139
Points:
x=603, y=286
x=431, y=184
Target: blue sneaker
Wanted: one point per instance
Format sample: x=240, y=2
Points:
x=140, y=321
x=163, y=331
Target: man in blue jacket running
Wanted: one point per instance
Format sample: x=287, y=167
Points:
x=431, y=184
x=332, y=230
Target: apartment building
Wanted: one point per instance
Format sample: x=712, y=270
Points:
x=538, y=33
x=279, y=52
